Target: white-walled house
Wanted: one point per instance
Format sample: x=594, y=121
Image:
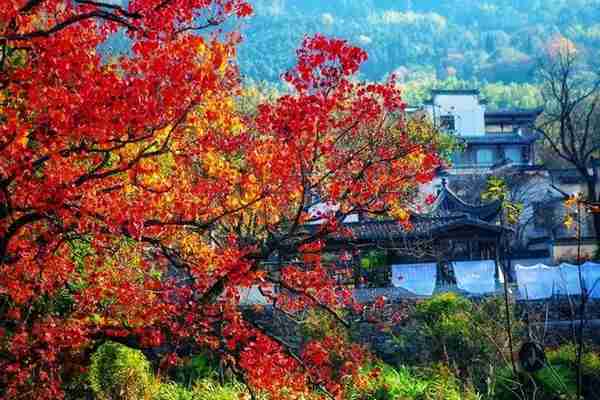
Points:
x=489, y=137
x=502, y=142
x=460, y=111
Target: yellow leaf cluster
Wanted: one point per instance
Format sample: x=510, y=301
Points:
x=400, y=213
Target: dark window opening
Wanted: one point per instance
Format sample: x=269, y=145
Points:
x=447, y=122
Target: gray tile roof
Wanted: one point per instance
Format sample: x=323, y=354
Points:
x=501, y=138
x=448, y=212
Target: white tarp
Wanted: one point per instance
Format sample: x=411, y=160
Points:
x=591, y=272
x=541, y=281
x=417, y=278
x=569, y=282
x=477, y=277
x=538, y=281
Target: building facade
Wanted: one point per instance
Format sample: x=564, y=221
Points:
x=488, y=137
x=503, y=143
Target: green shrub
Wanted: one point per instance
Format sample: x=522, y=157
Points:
x=173, y=391
x=436, y=308
x=203, y=389
x=446, y=319
x=466, y=336
x=557, y=381
x=209, y=389
x=404, y=383
x=399, y=383
x=118, y=372
x=197, y=367
x=565, y=357
x=317, y=325
x=550, y=383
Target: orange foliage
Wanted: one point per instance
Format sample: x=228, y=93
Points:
x=144, y=161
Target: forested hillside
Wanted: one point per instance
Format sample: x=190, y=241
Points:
x=473, y=40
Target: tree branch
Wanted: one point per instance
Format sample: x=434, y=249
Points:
x=316, y=301
x=68, y=22
x=133, y=15
x=14, y=228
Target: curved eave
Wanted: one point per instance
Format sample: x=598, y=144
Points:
x=391, y=231
x=471, y=224
x=448, y=202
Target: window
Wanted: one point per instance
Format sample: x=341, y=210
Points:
x=493, y=128
x=462, y=158
x=500, y=128
x=514, y=154
x=485, y=156
x=447, y=122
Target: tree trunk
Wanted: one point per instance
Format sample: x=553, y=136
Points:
x=596, y=220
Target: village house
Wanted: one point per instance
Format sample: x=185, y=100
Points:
x=460, y=242
x=505, y=143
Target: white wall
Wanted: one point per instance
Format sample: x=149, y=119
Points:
x=469, y=114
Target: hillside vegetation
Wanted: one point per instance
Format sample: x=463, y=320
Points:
x=477, y=41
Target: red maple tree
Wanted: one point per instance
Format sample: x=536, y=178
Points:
x=136, y=198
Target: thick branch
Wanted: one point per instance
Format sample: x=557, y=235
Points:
x=68, y=22
x=14, y=228
x=316, y=301
x=121, y=10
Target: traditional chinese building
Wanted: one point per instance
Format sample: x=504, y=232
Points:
x=450, y=231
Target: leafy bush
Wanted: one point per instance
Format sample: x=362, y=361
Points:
x=557, y=380
x=197, y=367
x=549, y=384
x=468, y=337
x=317, y=325
x=411, y=384
x=567, y=355
x=209, y=389
x=203, y=389
x=173, y=391
x=400, y=383
x=118, y=372
x=565, y=358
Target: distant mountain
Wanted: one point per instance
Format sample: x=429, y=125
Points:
x=493, y=40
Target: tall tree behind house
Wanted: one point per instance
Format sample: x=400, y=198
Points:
x=571, y=121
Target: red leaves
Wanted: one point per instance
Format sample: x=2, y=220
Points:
x=430, y=199
x=269, y=368
x=334, y=361
x=117, y=168
x=150, y=338
x=323, y=63
x=244, y=10
x=38, y=354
